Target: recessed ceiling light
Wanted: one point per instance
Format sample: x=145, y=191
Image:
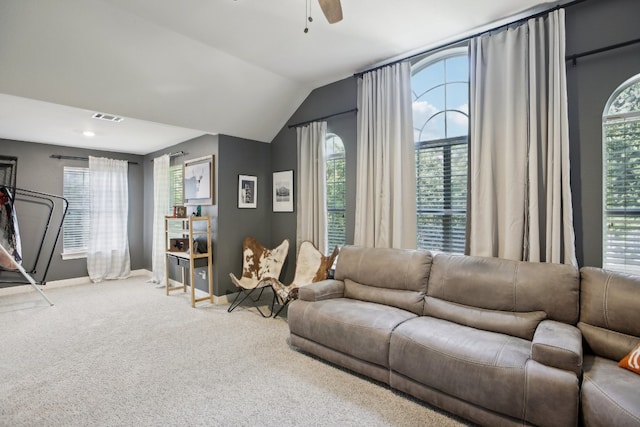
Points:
x=89, y=133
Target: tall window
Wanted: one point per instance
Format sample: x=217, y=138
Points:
x=76, y=224
x=335, y=165
x=176, y=188
x=621, y=179
x=440, y=86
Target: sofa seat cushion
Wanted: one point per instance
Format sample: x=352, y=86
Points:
x=482, y=367
x=610, y=394
x=358, y=328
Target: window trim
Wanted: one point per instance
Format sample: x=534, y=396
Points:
x=433, y=57
x=71, y=254
x=327, y=159
x=461, y=50
x=607, y=119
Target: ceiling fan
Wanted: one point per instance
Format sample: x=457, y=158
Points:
x=332, y=10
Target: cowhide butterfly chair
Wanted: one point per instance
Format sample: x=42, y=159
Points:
x=311, y=266
x=258, y=264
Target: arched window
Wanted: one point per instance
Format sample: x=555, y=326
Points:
x=621, y=179
x=336, y=190
x=440, y=86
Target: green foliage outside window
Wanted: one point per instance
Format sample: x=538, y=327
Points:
x=621, y=213
x=336, y=191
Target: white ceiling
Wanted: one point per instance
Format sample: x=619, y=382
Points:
x=178, y=69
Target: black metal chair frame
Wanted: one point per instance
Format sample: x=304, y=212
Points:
x=247, y=293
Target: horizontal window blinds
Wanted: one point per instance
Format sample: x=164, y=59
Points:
x=441, y=169
x=622, y=194
x=76, y=222
x=176, y=186
x=336, y=193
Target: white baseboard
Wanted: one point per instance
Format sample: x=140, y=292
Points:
x=225, y=299
x=85, y=280
x=75, y=281
x=201, y=294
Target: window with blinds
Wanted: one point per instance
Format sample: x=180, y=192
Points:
x=621, y=179
x=441, y=173
x=176, y=187
x=336, y=190
x=440, y=87
x=76, y=223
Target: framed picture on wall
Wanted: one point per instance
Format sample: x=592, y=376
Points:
x=8, y=171
x=199, y=181
x=283, y=191
x=247, y=191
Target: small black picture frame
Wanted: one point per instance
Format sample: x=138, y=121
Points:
x=247, y=191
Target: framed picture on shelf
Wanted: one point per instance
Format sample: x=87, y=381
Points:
x=247, y=191
x=199, y=184
x=283, y=191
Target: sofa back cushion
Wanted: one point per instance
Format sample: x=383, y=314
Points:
x=501, y=295
x=395, y=277
x=609, y=307
x=517, y=324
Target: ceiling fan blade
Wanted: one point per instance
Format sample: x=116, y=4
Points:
x=332, y=10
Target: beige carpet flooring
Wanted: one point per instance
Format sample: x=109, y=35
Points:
x=122, y=353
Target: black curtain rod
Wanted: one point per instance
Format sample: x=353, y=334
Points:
x=467, y=38
x=176, y=154
x=353, y=110
x=574, y=57
x=86, y=159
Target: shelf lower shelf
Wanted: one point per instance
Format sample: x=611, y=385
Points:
x=181, y=259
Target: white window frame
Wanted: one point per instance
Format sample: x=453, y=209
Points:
x=176, y=185
x=332, y=158
x=448, y=145
x=75, y=252
x=622, y=259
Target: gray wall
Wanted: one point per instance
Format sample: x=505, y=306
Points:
x=38, y=172
x=205, y=145
x=229, y=224
x=324, y=101
x=592, y=25
x=198, y=147
x=241, y=157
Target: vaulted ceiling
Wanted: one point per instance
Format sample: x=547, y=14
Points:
x=178, y=69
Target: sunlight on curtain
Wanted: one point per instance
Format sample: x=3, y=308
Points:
x=520, y=197
x=108, y=251
x=312, y=209
x=161, y=208
x=386, y=187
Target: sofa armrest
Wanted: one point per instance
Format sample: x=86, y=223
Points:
x=558, y=345
x=324, y=289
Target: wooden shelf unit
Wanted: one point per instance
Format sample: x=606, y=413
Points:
x=189, y=229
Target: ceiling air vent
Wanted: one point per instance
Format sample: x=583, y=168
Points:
x=107, y=117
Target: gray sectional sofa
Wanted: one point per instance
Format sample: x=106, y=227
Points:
x=610, y=325
x=491, y=340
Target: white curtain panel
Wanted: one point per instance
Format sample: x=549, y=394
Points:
x=108, y=248
x=386, y=187
x=520, y=195
x=312, y=204
x=161, y=208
